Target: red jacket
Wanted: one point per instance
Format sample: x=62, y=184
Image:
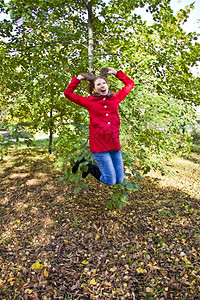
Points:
x=104, y=118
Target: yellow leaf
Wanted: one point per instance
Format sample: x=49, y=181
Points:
x=18, y=221
x=46, y=273
x=36, y=266
x=10, y=279
x=140, y=270
x=176, y=259
x=93, y=282
x=96, y=237
x=28, y=291
x=85, y=262
x=66, y=241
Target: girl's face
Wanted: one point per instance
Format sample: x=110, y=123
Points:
x=101, y=86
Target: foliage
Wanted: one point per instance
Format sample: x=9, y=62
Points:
x=12, y=134
x=196, y=140
x=45, y=43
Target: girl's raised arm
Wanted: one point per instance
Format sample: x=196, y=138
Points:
x=129, y=84
x=69, y=92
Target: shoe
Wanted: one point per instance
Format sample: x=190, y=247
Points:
x=93, y=170
x=78, y=162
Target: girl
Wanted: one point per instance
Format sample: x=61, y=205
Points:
x=102, y=105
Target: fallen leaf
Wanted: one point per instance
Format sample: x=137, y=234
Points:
x=46, y=273
x=149, y=290
x=85, y=262
x=141, y=270
x=96, y=237
x=93, y=282
x=10, y=279
x=36, y=266
x=28, y=291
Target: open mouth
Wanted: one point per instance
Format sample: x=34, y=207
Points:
x=103, y=91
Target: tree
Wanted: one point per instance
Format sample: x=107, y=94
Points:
x=50, y=41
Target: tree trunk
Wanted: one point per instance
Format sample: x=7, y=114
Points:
x=90, y=37
x=51, y=127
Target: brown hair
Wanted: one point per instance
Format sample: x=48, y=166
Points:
x=92, y=78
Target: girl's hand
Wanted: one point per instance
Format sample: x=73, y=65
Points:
x=80, y=77
x=111, y=71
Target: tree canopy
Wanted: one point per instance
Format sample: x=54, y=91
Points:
x=46, y=42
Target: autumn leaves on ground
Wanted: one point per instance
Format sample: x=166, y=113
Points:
x=59, y=245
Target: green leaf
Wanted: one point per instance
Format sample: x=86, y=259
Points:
x=77, y=190
x=131, y=186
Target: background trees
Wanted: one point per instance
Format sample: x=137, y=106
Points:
x=47, y=42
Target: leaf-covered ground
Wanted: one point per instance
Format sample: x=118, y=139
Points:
x=58, y=245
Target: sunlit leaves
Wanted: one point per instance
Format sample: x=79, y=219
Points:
x=48, y=46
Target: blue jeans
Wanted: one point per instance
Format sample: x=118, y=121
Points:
x=111, y=166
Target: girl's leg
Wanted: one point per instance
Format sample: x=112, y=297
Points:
x=116, y=157
x=105, y=164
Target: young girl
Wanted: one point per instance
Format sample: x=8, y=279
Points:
x=102, y=105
